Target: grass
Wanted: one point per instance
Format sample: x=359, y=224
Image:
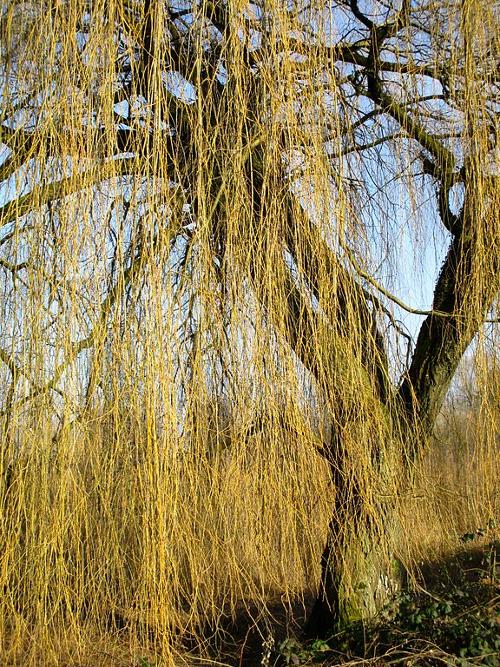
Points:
x=228, y=546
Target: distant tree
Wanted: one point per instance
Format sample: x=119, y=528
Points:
x=469, y=413
x=275, y=149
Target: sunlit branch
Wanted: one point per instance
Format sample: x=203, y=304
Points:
x=41, y=195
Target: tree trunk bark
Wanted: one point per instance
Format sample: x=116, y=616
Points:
x=352, y=590
x=358, y=574
x=357, y=578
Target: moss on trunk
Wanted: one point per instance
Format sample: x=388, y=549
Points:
x=357, y=580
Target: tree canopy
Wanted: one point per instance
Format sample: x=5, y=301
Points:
x=343, y=122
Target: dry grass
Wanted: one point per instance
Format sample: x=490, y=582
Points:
x=107, y=558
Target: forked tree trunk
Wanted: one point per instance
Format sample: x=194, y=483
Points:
x=355, y=580
x=358, y=575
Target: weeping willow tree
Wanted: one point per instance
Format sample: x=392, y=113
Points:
x=206, y=210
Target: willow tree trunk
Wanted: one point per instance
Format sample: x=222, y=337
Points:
x=357, y=577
